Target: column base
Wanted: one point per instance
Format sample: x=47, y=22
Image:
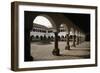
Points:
x=56, y=52
x=67, y=48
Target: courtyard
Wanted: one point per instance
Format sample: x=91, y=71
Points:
x=42, y=52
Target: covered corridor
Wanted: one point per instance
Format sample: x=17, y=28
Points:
x=57, y=20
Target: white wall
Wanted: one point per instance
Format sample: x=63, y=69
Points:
x=5, y=32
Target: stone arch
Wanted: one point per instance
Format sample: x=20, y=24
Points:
x=29, y=18
x=49, y=18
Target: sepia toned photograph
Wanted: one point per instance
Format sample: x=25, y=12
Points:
x=52, y=36
x=58, y=36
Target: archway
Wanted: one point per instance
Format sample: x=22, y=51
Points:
x=66, y=34
x=41, y=37
x=48, y=24
x=56, y=20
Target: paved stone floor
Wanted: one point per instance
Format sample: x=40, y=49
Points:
x=44, y=51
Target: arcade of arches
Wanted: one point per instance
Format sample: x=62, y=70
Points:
x=60, y=24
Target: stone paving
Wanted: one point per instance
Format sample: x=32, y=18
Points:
x=42, y=52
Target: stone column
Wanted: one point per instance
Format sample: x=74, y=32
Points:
x=74, y=37
x=77, y=40
x=27, y=28
x=56, y=50
x=67, y=44
x=27, y=51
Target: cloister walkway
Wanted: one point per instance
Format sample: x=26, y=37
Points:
x=44, y=51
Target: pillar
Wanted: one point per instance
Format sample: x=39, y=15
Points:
x=27, y=51
x=74, y=37
x=80, y=40
x=56, y=50
x=67, y=44
x=77, y=40
x=27, y=28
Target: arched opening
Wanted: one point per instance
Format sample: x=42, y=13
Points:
x=30, y=17
x=42, y=20
x=48, y=27
x=47, y=33
x=32, y=37
x=37, y=37
x=64, y=36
